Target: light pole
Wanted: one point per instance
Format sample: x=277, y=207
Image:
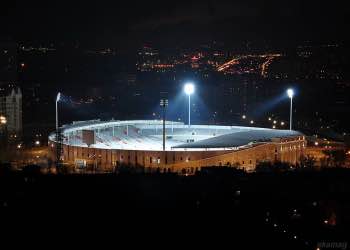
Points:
x=163, y=104
x=189, y=90
x=59, y=137
x=57, y=100
x=290, y=93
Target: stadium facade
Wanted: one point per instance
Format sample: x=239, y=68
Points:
x=108, y=145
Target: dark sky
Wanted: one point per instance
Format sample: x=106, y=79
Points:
x=128, y=22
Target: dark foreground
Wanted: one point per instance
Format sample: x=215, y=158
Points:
x=291, y=210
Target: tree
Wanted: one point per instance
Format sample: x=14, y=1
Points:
x=307, y=161
x=264, y=167
x=335, y=158
x=268, y=167
x=5, y=169
x=339, y=157
x=32, y=170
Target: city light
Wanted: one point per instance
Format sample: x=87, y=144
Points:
x=3, y=120
x=37, y=143
x=282, y=123
x=274, y=122
x=251, y=122
x=243, y=117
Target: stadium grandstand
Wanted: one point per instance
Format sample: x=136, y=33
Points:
x=109, y=144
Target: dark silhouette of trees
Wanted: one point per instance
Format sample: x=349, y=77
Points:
x=268, y=167
x=307, y=161
x=32, y=170
x=335, y=158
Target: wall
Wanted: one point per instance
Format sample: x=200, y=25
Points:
x=285, y=150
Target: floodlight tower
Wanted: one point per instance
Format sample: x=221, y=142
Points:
x=290, y=93
x=57, y=100
x=164, y=104
x=189, y=90
x=59, y=136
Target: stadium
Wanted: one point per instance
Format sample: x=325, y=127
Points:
x=107, y=145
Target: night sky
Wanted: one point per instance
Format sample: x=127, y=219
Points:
x=127, y=23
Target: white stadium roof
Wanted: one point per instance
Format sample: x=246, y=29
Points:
x=147, y=135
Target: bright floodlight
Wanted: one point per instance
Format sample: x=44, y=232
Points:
x=189, y=88
x=290, y=93
x=58, y=97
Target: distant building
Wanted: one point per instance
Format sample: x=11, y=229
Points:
x=11, y=108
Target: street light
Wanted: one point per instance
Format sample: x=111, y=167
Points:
x=3, y=120
x=189, y=90
x=290, y=93
x=57, y=100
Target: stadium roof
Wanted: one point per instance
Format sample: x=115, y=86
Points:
x=239, y=139
x=147, y=135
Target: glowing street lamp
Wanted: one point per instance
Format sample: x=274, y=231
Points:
x=57, y=100
x=290, y=93
x=189, y=90
x=3, y=120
